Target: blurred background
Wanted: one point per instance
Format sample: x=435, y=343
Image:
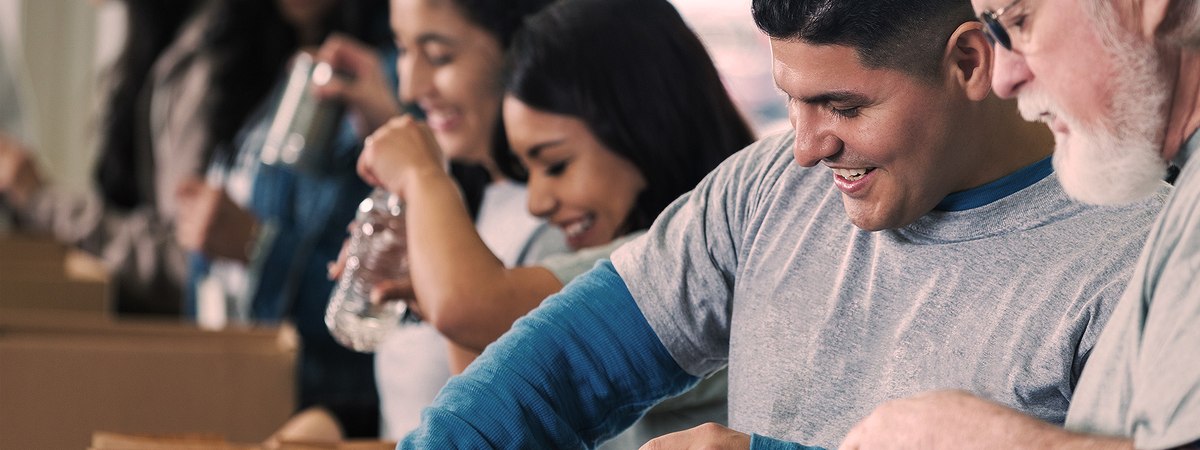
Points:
x=68, y=372
x=61, y=46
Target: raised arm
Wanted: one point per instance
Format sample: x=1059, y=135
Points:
x=462, y=288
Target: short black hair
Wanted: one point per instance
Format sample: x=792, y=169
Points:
x=643, y=83
x=907, y=35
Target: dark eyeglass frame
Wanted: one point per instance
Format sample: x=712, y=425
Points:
x=994, y=29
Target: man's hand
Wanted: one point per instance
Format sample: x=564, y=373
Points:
x=209, y=222
x=709, y=436
x=19, y=177
x=959, y=420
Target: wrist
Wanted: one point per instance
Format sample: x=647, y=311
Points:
x=419, y=179
x=1060, y=439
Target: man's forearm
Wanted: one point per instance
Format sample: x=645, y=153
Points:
x=575, y=371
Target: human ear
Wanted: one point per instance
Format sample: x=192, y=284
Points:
x=969, y=60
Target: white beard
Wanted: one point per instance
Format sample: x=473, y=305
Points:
x=1117, y=160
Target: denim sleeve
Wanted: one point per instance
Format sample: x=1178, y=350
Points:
x=760, y=442
x=570, y=374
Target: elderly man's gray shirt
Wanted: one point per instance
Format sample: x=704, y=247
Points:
x=1144, y=381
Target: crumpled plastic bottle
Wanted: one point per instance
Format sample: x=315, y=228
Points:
x=377, y=251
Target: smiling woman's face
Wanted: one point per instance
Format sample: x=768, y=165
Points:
x=575, y=182
x=451, y=68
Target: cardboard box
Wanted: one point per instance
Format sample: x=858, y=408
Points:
x=116, y=441
x=39, y=273
x=66, y=374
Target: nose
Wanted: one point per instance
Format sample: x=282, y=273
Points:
x=813, y=142
x=416, y=78
x=1009, y=72
x=540, y=201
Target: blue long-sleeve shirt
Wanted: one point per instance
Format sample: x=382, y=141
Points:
x=574, y=372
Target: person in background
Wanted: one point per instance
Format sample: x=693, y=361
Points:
x=1118, y=124
x=451, y=66
x=260, y=233
x=902, y=237
x=605, y=142
x=151, y=137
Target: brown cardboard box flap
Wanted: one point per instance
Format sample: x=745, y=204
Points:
x=103, y=440
x=64, y=376
x=38, y=273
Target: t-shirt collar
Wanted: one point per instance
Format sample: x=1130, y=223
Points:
x=998, y=189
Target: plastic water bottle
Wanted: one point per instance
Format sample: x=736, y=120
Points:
x=377, y=251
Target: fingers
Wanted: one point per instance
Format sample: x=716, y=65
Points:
x=189, y=188
x=347, y=55
x=392, y=290
x=19, y=177
x=398, y=152
x=334, y=269
x=333, y=88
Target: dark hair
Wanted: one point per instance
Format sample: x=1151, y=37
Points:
x=908, y=35
x=151, y=26
x=251, y=42
x=643, y=83
x=500, y=18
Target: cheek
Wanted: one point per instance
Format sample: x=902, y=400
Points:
x=475, y=93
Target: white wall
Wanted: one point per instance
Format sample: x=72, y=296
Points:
x=64, y=41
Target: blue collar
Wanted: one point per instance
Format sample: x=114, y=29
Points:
x=996, y=190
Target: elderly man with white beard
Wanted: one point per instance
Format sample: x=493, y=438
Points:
x=1118, y=82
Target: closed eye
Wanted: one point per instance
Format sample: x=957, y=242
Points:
x=848, y=113
x=556, y=169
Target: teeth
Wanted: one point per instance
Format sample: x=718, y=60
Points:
x=579, y=227
x=851, y=174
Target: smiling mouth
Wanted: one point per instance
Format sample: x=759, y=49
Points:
x=852, y=174
x=578, y=227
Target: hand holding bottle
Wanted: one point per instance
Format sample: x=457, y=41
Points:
x=400, y=153
x=364, y=88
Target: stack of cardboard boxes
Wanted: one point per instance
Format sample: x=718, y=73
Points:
x=68, y=367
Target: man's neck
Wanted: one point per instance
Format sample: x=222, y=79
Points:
x=1010, y=142
x=1184, y=117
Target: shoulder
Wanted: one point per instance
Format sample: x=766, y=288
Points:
x=567, y=266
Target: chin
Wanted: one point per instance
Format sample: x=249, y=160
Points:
x=867, y=222
x=1116, y=175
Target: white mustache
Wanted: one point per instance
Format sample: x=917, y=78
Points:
x=1036, y=107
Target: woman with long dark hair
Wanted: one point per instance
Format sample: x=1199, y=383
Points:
x=261, y=233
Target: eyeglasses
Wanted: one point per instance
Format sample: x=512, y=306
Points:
x=994, y=29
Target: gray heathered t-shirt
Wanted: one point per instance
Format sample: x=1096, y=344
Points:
x=759, y=267
x=1144, y=378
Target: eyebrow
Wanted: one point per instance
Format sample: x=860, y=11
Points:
x=536, y=151
x=850, y=97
